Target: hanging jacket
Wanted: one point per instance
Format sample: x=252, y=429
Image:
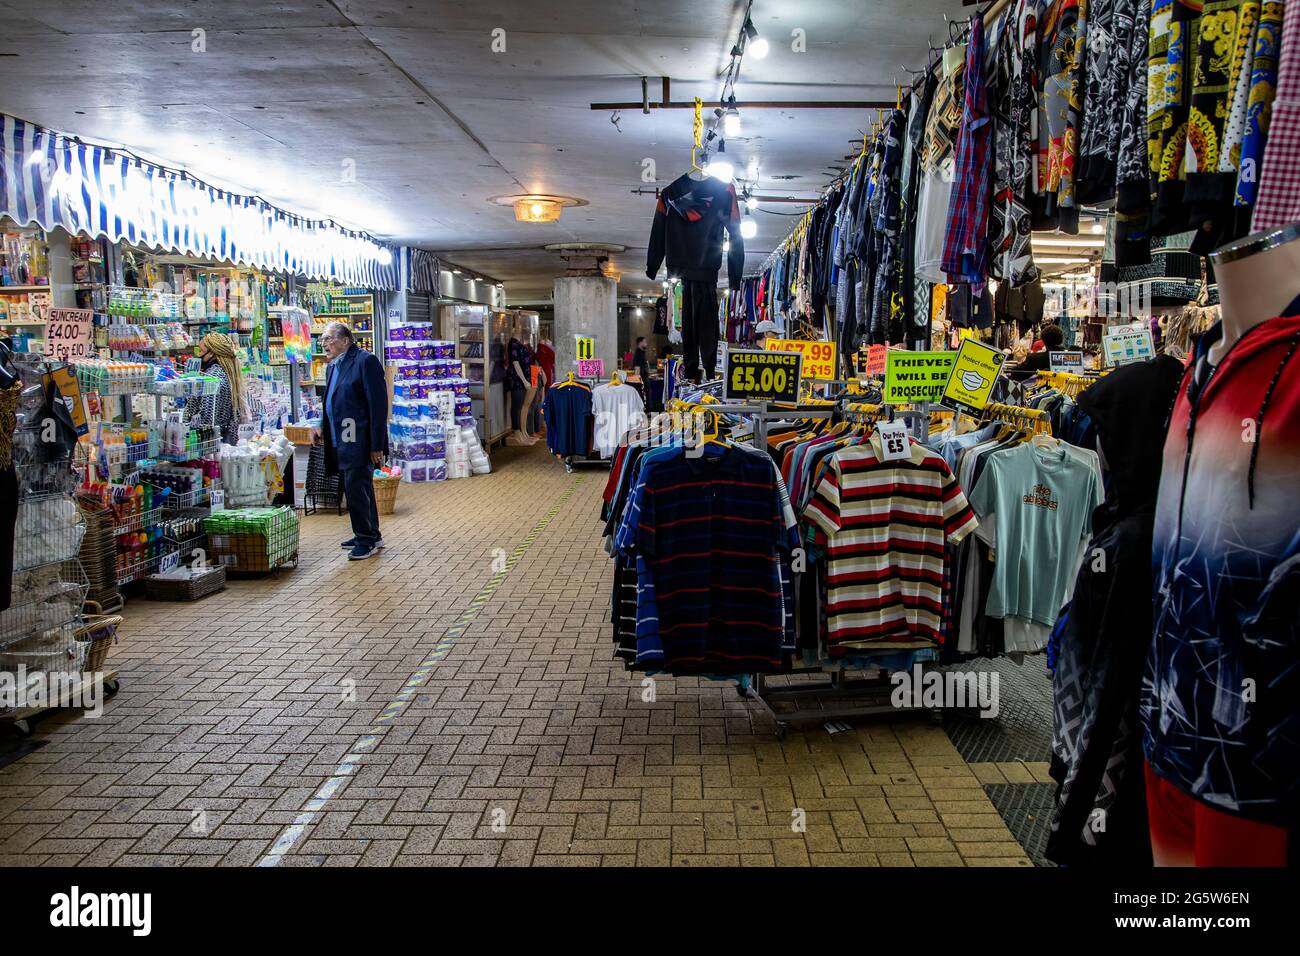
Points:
x=690, y=220
x=1100, y=811
x=1223, y=677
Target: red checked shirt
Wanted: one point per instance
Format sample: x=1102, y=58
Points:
x=965, y=248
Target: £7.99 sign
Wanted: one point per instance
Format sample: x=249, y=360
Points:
x=818, y=357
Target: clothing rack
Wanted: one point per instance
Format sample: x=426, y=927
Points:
x=842, y=694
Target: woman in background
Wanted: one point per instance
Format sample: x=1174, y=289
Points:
x=228, y=408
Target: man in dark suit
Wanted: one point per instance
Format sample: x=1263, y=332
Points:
x=354, y=428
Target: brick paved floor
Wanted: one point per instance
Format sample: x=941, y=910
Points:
x=526, y=745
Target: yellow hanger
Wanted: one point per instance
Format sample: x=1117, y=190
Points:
x=614, y=379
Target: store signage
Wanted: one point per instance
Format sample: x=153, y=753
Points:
x=916, y=376
x=894, y=445
x=102, y=192
x=974, y=371
x=876, y=357
x=818, y=357
x=217, y=499
x=169, y=562
x=584, y=348
x=762, y=376
x=1123, y=344
x=1066, y=362
x=67, y=334
x=591, y=368
x=65, y=380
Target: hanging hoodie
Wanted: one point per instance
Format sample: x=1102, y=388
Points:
x=1100, y=812
x=691, y=218
x=1132, y=243
x=1219, y=708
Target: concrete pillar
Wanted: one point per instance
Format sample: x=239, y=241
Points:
x=585, y=306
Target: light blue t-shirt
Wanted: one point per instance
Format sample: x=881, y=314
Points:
x=1044, y=499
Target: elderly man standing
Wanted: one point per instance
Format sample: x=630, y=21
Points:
x=354, y=427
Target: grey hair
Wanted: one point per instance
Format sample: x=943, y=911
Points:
x=339, y=328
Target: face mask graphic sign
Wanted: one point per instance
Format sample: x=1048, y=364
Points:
x=974, y=371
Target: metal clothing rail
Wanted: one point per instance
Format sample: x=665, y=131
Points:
x=842, y=694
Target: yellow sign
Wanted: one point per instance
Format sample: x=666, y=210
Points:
x=818, y=357
x=586, y=349
x=915, y=376
x=974, y=371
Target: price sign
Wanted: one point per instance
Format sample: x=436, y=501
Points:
x=217, y=499
x=916, y=376
x=894, y=444
x=876, y=357
x=591, y=368
x=818, y=357
x=763, y=376
x=584, y=348
x=976, y=368
x=67, y=334
x=169, y=562
x=1065, y=361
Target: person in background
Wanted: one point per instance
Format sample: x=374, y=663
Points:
x=763, y=331
x=641, y=361
x=227, y=409
x=1039, y=360
x=354, y=427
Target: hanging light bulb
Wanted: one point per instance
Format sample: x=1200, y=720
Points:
x=731, y=119
x=719, y=167
x=1098, y=228
x=748, y=227
x=755, y=44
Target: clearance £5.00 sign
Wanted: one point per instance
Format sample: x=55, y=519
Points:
x=818, y=357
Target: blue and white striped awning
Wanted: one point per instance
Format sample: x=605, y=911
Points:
x=50, y=179
x=424, y=272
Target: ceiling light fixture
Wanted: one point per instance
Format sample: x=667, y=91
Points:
x=731, y=119
x=1098, y=227
x=537, y=207
x=755, y=45
x=719, y=167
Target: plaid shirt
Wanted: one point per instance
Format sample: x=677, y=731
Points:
x=965, y=247
x=1279, y=182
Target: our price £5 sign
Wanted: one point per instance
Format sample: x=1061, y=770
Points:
x=763, y=376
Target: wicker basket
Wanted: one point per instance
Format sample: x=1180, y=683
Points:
x=298, y=434
x=386, y=493
x=98, y=634
x=191, y=587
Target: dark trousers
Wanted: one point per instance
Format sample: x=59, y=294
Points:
x=516, y=406
x=700, y=328
x=359, y=486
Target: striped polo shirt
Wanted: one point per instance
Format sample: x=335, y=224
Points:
x=886, y=525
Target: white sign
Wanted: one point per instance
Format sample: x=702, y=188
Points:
x=218, y=499
x=894, y=445
x=1123, y=344
x=67, y=334
x=169, y=562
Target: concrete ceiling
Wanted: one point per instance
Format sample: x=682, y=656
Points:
x=399, y=118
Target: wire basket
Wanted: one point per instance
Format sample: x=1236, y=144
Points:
x=49, y=530
x=53, y=650
x=256, y=539
x=44, y=598
x=46, y=478
x=134, y=570
x=386, y=493
x=321, y=490
x=137, y=522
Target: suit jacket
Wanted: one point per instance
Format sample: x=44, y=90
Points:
x=361, y=396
